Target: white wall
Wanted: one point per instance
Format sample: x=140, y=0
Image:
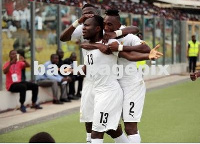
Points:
x=11, y=100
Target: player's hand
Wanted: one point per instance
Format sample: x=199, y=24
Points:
x=113, y=46
x=104, y=49
x=84, y=17
x=193, y=76
x=154, y=54
x=108, y=35
x=84, y=45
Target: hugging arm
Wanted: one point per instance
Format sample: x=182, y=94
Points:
x=142, y=48
x=134, y=56
x=124, y=32
x=137, y=56
x=67, y=33
x=90, y=46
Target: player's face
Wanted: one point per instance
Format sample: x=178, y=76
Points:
x=111, y=24
x=89, y=29
x=89, y=10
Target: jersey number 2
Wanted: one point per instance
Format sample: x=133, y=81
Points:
x=132, y=106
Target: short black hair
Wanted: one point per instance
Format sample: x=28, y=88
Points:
x=113, y=12
x=88, y=5
x=42, y=137
x=99, y=22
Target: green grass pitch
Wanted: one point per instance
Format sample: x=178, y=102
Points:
x=171, y=114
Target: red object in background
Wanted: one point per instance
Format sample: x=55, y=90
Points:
x=9, y=7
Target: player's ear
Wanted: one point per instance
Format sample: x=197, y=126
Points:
x=98, y=28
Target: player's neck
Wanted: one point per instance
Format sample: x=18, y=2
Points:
x=96, y=38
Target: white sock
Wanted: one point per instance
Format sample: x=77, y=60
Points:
x=96, y=140
x=121, y=139
x=135, y=138
x=88, y=138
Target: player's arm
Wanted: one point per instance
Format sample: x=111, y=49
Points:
x=90, y=46
x=137, y=56
x=67, y=33
x=134, y=56
x=118, y=33
x=130, y=30
x=143, y=48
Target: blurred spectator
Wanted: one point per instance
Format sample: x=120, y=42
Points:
x=132, y=7
x=51, y=38
x=42, y=137
x=54, y=81
x=21, y=45
x=13, y=70
x=193, y=53
x=78, y=78
x=60, y=54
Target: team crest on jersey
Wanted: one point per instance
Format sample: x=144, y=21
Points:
x=131, y=114
x=104, y=125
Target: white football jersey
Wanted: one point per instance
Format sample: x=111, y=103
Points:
x=78, y=34
x=129, y=40
x=99, y=68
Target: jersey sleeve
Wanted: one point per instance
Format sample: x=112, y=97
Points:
x=135, y=40
x=77, y=34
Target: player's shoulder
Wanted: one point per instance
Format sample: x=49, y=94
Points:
x=80, y=26
x=112, y=40
x=132, y=36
